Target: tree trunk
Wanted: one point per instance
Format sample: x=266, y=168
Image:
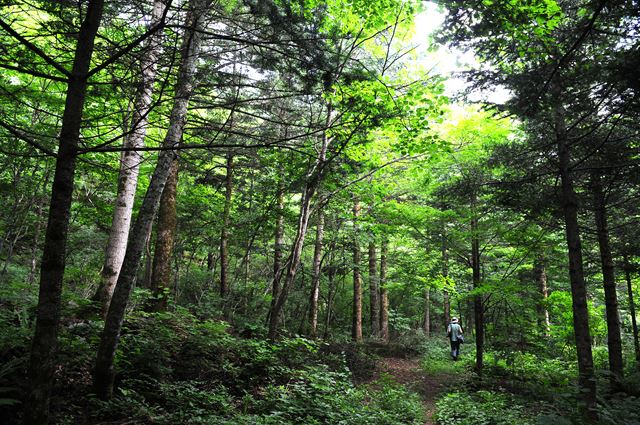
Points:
x=224, y=236
x=374, y=291
x=293, y=261
x=356, y=328
x=614, y=342
x=165, y=239
x=40, y=204
x=315, y=279
x=331, y=291
x=569, y=204
x=478, y=308
x=384, y=296
x=445, y=276
x=130, y=165
x=312, y=182
x=148, y=260
x=541, y=279
x=211, y=265
x=44, y=343
x=104, y=371
x=632, y=310
x=427, y=318
x=277, y=247
x=34, y=244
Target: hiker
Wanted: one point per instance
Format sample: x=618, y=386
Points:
x=454, y=332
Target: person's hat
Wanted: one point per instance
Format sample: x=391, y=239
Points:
x=454, y=320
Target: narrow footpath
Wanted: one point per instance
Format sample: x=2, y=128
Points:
x=408, y=372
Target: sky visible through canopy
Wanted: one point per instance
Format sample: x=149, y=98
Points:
x=447, y=61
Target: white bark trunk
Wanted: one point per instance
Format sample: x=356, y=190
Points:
x=130, y=165
x=190, y=50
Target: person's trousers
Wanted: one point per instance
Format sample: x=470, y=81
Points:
x=455, y=349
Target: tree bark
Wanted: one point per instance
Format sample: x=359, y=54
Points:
x=224, y=235
x=148, y=260
x=44, y=343
x=165, y=239
x=130, y=164
x=384, y=295
x=478, y=308
x=190, y=49
x=331, y=273
x=614, y=342
x=427, y=312
x=211, y=265
x=293, y=261
x=374, y=291
x=40, y=204
x=277, y=247
x=541, y=279
x=356, y=328
x=445, y=276
x=569, y=204
x=315, y=278
x=632, y=310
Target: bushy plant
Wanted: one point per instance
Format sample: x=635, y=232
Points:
x=532, y=374
x=620, y=411
x=393, y=404
x=319, y=396
x=481, y=408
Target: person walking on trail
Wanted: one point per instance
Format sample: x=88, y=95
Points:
x=454, y=332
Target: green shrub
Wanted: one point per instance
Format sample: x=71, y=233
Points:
x=481, y=408
x=530, y=373
x=620, y=411
x=319, y=396
x=391, y=403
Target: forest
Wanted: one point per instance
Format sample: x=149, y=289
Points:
x=283, y=211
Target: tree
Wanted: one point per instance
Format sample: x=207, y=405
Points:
x=224, y=237
x=315, y=278
x=41, y=370
x=130, y=161
x=165, y=239
x=356, y=317
x=543, y=71
x=104, y=372
x=374, y=291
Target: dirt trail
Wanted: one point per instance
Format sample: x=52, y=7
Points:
x=408, y=372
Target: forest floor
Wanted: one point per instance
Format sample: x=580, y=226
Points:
x=409, y=373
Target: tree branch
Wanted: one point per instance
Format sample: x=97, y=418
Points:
x=20, y=135
x=35, y=49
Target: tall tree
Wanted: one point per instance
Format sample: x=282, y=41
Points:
x=315, y=277
x=541, y=278
x=130, y=161
x=446, y=300
x=190, y=49
x=426, y=323
x=569, y=204
x=224, y=236
x=44, y=344
x=384, y=294
x=374, y=291
x=478, y=304
x=165, y=239
x=616, y=365
x=356, y=326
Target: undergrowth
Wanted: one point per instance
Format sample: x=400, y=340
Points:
x=173, y=368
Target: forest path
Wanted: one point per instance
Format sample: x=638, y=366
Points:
x=409, y=373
